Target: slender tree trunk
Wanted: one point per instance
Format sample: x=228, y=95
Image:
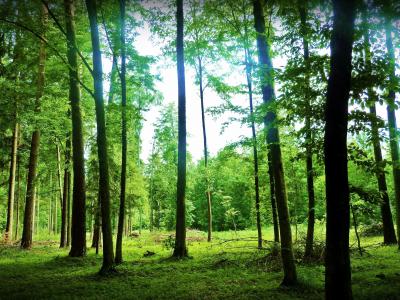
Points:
x=394, y=143
x=64, y=209
x=389, y=235
x=203, y=123
x=303, y=10
x=108, y=252
x=273, y=199
x=78, y=220
x=337, y=260
x=112, y=80
x=11, y=183
x=289, y=268
x=59, y=176
x=69, y=211
x=121, y=218
x=180, y=236
x=26, y=241
x=37, y=201
x=17, y=204
x=255, y=153
x=355, y=224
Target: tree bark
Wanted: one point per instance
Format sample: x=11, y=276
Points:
x=273, y=199
x=78, y=220
x=337, y=260
x=26, y=241
x=394, y=143
x=121, y=218
x=255, y=153
x=104, y=188
x=303, y=11
x=64, y=208
x=11, y=183
x=289, y=268
x=203, y=123
x=180, y=249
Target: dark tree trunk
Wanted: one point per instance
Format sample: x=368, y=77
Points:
x=69, y=211
x=26, y=241
x=104, y=188
x=289, y=267
x=17, y=204
x=203, y=123
x=96, y=226
x=389, y=235
x=394, y=143
x=309, y=161
x=11, y=183
x=337, y=260
x=78, y=221
x=255, y=153
x=180, y=249
x=121, y=218
x=64, y=207
x=273, y=199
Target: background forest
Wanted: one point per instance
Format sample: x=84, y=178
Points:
x=283, y=145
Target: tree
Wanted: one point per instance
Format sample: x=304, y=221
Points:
x=266, y=74
x=303, y=11
x=78, y=220
x=65, y=194
x=104, y=188
x=26, y=241
x=389, y=235
x=337, y=260
x=180, y=249
x=391, y=113
x=118, y=256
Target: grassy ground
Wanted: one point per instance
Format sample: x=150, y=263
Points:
x=223, y=269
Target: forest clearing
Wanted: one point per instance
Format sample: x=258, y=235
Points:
x=199, y=149
x=229, y=267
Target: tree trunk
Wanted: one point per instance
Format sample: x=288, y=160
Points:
x=303, y=11
x=255, y=154
x=11, y=183
x=273, y=199
x=394, y=143
x=289, y=268
x=180, y=249
x=17, y=204
x=108, y=252
x=64, y=209
x=78, y=220
x=121, y=218
x=112, y=80
x=337, y=260
x=203, y=123
x=69, y=211
x=26, y=241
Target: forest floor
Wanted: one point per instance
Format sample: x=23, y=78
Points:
x=230, y=267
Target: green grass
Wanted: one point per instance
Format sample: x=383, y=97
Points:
x=223, y=269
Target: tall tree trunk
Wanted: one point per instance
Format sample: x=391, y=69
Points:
x=203, y=123
x=64, y=209
x=17, y=204
x=121, y=218
x=337, y=260
x=104, y=188
x=26, y=241
x=11, y=183
x=394, y=143
x=289, y=267
x=255, y=153
x=273, y=199
x=69, y=211
x=78, y=220
x=389, y=235
x=303, y=11
x=180, y=249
